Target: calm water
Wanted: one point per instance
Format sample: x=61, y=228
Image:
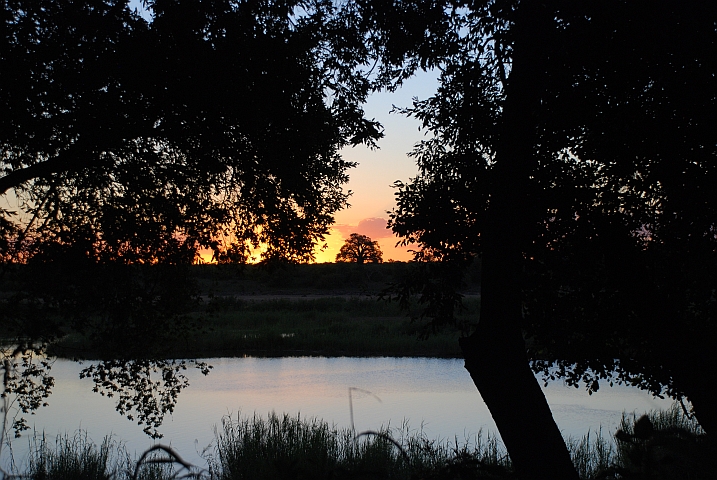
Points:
x=435, y=394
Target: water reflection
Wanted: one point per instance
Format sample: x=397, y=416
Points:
x=434, y=394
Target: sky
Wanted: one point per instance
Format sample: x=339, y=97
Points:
x=371, y=181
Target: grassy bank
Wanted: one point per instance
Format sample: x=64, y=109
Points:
x=285, y=447
x=334, y=326
x=322, y=309
x=326, y=326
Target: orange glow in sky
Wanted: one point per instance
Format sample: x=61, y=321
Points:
x=375, y=228
x=371, y=181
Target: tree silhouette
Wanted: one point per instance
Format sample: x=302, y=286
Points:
x=217, y=120
x=572, y=148
x=132, y=144
x=359, y=249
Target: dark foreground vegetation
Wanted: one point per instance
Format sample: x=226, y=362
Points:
x=659, y=445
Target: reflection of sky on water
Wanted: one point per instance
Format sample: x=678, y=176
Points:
x=435, y=393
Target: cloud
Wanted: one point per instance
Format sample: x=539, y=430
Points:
x=374, y=227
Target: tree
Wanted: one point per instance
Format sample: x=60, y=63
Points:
x=572, y=149
x=216, y=120
x=132, y=144
x=359, y=249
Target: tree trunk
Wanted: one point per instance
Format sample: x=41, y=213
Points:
x=696, y=380
x=703, y=407
x=495, y=353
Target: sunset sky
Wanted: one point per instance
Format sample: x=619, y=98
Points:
x=371, y=181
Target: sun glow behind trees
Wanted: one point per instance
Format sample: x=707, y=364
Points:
x=185, y=154
x=370, y=182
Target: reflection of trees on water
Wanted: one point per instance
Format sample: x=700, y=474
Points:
x=130, y=318
x=145, y=389
x=26, y=385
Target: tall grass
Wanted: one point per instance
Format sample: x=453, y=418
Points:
x=593, y=454
x=73, y=458
x=293, y=447
x=77, y=457
x=665, y=444
x=274, y=448
x=289, y=447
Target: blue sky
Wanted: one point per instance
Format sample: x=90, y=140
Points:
x=372, y=180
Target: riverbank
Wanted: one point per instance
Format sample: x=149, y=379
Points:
x=328, y=326
x=291, y=325
x=321, y=309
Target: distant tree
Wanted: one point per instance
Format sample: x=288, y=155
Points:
x=360, y=249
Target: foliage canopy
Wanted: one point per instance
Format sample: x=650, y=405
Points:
x=129, y=145
x=618, y=230
x=215, y=125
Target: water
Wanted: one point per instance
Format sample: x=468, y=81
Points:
x=436, y=395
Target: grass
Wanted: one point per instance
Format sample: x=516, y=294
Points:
x=73, y=458
x=288, y=447
x=664, y=445
x=345, y=321
x=319, y=309
x=331, y=326
x=274, y=448
x=593, y=455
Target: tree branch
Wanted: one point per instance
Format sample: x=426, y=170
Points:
x=68, y=159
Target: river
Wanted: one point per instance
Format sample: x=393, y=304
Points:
x=436, y=395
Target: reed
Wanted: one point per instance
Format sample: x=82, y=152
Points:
x=277, y=447
x=593, y=454
x=73, y=458
x=294, y=447
x=665, y=444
